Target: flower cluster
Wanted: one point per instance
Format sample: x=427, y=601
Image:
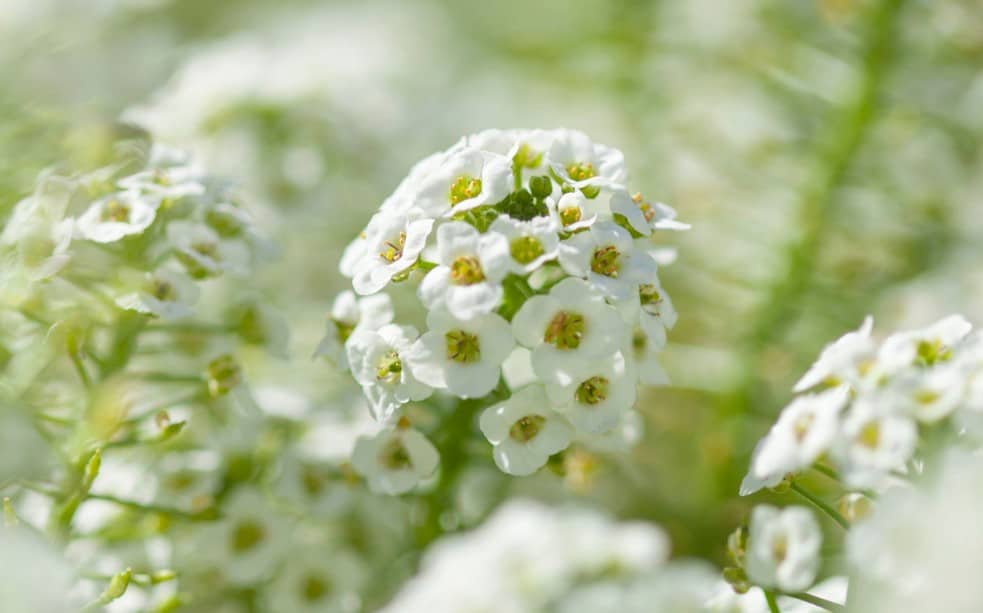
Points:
x=862, y=404
x=525, y=246
x=528, y=557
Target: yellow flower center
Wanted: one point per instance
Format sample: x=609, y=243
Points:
x=466, y=270
x=116, y=211
x=462, y=347
x=247, y=535
x=605, y=261
x=525, y=249
x=526, y=428
x=389, y=367
x=570, y=215
x=394, y=455
x=393, y=249
x=565, y=330
x=464, y=188
x=870, y=435
x=592, y=391
x=581, y=171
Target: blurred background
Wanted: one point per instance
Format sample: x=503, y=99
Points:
x=827, y=153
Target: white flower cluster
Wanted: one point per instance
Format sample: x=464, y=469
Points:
x=163, y=226
x=524, y=242
x=862, y=404
x=530, y=557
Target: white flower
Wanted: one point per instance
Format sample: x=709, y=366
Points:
x=312, y=581
x=248, y=542
x=930, y=395
x=116, y=216
x=395, y=460
x=203, y=253
x=925, y=347
x=166, y=293
x=644, y=352
x=463, y=356
x=805, y=430
x=36, y=576
x=606, y=256
x=783, y=548
x=171, y=182
x=352, y=255
x=845, y=360
x=37, y=230
x=572, y=211
x=566, y=329
x=467, y=280
x=524, y=147
x=598, y=397
x=874, y=440
x=643, y=216
x=531, y=243
x=348, y=315
x=525, y=431
x=466, y=179
x=581, y=163
x=376, y=359
x=652, y=309
x=393, y=242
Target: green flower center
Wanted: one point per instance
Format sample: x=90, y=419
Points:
x=648, y=294
x=247, y=535
x=932, y=352
x=870, y=435
x=525, y=249
x=161, y=178
x=389, y=368
x=592, y=391
x=581, y=171
x=565, y=330
x=163, y=290
x=802, y=425
x=570, y=215
x=313, y=480
x=466, y=270
x=462, y=347
x=779, y=548
x=926, y=396
x=116, y=211
x=314, y=588
x=394, y=455
x=526, y=428
x=343, y=329
x=222, y=374
x=393, y=249
x=605, y=261
x=464, y=188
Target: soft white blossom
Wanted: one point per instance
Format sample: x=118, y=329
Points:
x=393, y=242
x=524, y=431
x=783, y=548
x=376, y=359
x=466, y=179
x=597, y=397
x=117, y=216
x=531, y=243
x=349, y=314
x=395, y=460
x=166, y=293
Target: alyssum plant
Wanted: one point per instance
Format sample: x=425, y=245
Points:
x=525, y=247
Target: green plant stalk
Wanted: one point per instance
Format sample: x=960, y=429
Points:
x=819, y=602
x=821, y=505
x=772, y=602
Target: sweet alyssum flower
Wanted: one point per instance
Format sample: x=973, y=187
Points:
x=167, y=293
x=204, y=253
x=783, y=548
x=395, y=460
x=463, y=356
x=511, y=237
x=376, y=359
x=117, y=216
x=525, y=431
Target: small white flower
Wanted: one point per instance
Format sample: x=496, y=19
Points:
x=805, y=430
x=783, y=548
x=652, y=309
x=874, y=441
x=524, y=431
x=352, y=255
x=393, y=242
x=566, y=329
x=165, y=293
x=376, y=359
x=925, y=347
x=931, y=395
x=531, y=243
x=466, y=179
x=598, y=397
x=471, y=266
x=463, y=356
x=845, y=360
x=644, y=352
x=643, y=216
x=203, y=253
x=572, y=211
x=312, y=582
x=581, y=163
x=395, y=460
x=524, y=147
x=37, y=230
x=117, y=216
x=606, y=256
x=348, y=315
x=248, y=542
x=172, y=182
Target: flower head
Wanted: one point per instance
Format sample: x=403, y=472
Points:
x=524, y=431
x=395, y=460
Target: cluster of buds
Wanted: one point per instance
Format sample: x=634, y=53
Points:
x=525, y=247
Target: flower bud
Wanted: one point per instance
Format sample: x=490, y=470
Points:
x=540, y=186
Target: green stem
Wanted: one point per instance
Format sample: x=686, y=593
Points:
x=80, y=369
x=772, y=602
x=124, y=342
x=821, y=505
x=206, y=515
x=822, y=603
x=834, y=157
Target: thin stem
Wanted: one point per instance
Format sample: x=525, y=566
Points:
x=826, y=470
x=168, y=377
x=821, y=505
x=772, y=602
x=206, y=515
x=822, y=603
x=80, y=369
